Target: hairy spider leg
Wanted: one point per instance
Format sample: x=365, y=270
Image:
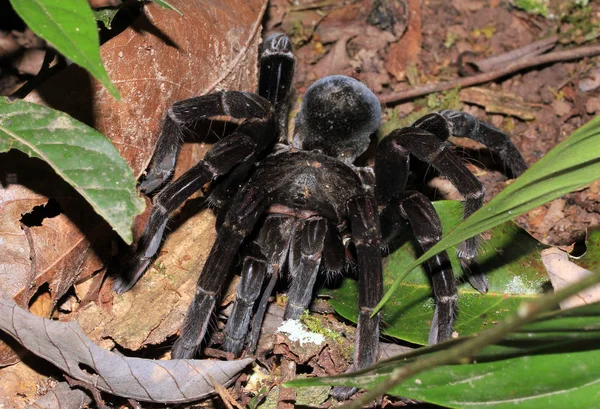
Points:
x=184, y=114
x=305, y=258
x=267, y=257
x=456, y=123
x=428, y=148
x=392, y=163
x=276, y=75
x=276, y=71
x=366, y=235
x=245, y=212
x=427, y=229
x=223, y=156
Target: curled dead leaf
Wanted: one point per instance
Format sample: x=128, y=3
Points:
x=564, y=272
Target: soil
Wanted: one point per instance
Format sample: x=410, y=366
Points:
x=397, y=45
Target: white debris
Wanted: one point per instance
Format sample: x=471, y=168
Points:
x=296, y=331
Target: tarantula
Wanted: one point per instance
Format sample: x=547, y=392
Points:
x=297, y=210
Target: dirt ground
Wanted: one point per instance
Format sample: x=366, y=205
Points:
x=396, y=46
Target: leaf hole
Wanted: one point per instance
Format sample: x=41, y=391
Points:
x=87, y=369
x=37, y=215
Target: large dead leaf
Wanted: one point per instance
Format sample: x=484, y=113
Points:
x=163, y=57
x=67, y=347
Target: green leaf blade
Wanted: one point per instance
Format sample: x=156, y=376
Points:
x=549, y=368
x=68, y=25
x=571, y=165
x=508, y=256
x=82, y=156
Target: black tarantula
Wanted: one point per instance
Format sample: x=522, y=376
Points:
x=296, y=210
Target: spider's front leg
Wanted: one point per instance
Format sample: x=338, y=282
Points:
x=391, y=172
x=428, y=148
x=248, y=207
x=223, y=157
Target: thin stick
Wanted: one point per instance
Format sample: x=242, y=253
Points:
x=557, y=56
x=463, y=352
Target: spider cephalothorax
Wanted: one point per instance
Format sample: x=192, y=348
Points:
x=299, y=210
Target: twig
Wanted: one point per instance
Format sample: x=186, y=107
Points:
x=528, y=51
x=463, y=352
x=556, y=56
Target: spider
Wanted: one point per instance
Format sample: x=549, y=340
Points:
x=296, y=210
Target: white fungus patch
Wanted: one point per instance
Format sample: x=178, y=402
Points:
x=519, y=286
x=296, y=331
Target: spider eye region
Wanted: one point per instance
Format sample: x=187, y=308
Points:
x=338, y=116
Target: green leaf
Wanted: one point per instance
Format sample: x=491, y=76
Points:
x=570, y=165
x=82, y=156
x=548, y=364
x=167, y=5
x=106, y=15
x=68, y=25
x=508, y=256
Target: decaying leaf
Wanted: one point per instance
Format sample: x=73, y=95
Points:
x=498, y=102
x=154, y=309
x=163, y=57
x=564, y=272
x=67, y=347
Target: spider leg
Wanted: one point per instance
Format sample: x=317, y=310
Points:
x=427, y=228
x=395, y=148
x=270, y=251
x=224, y=155
x=366, y=235
x=305, y=257
x=184, y=114
x=254, y=272
x=245, y=212
x=276, y=75
x=448, y=123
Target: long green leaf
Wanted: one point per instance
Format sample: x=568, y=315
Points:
x=547, y=364
x=79, y=154
x=68, y=25
x=508, y=256
x=570, y=165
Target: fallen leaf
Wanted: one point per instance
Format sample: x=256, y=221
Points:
x=406, y=50
x=564, y=272
x=498, y=102
x=65, y=345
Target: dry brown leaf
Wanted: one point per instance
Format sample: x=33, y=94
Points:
x=163, y=57
x=154, y=309
x=67, y=347
x=563, y=272
x=498, y=102
x=406, y=50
